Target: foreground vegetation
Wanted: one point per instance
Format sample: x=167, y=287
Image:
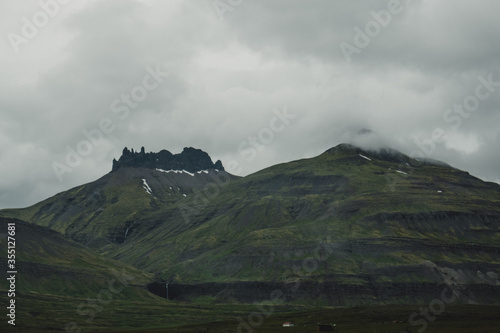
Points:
x=388, y=319
x=173, y=317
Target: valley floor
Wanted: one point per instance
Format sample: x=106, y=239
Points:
x=174, y=317
x=373, y=319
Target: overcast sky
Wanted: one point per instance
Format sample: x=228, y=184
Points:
x=251, y=82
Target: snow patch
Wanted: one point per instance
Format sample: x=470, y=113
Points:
x=168, y=171
x=146, y=186
x=440, y=191
x=183, y=194
x=404, y=173
x=366, y=158
x=181, y=171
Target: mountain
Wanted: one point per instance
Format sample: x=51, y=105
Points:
x=348, y=227
x=189, y=159
x=63, y=286
x=60, y=274
x=352, y=226
x=116, y=206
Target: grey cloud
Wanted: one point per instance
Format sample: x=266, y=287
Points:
x=425, y=35
x=227, y=76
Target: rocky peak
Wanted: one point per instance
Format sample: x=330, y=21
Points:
x=386, y=154
x=190, y=159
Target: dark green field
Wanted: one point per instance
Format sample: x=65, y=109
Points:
x=162, y=316
x=369, y=319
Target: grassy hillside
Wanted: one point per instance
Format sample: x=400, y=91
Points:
x=62, y=286
x=367, y=226
x=50, y=267
x=108, y=210
x=362, y=214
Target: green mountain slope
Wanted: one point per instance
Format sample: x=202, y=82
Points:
x=55, y=278
x=62, y=286
x=108, y=210
x=347, y=227
x=52, y=264
x=336, y=220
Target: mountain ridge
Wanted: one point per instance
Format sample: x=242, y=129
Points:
x=385, y=217
x=190, y=159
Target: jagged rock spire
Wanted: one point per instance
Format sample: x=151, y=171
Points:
x=190, y=159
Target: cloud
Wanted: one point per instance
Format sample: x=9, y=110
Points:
x=228, y=77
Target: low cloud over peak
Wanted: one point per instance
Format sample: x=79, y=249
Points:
x=78, y=79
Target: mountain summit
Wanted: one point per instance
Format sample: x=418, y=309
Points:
x=351, y=226
x=190, y=159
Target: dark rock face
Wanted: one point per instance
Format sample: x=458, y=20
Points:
x=190, y=159
x=337, y=294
